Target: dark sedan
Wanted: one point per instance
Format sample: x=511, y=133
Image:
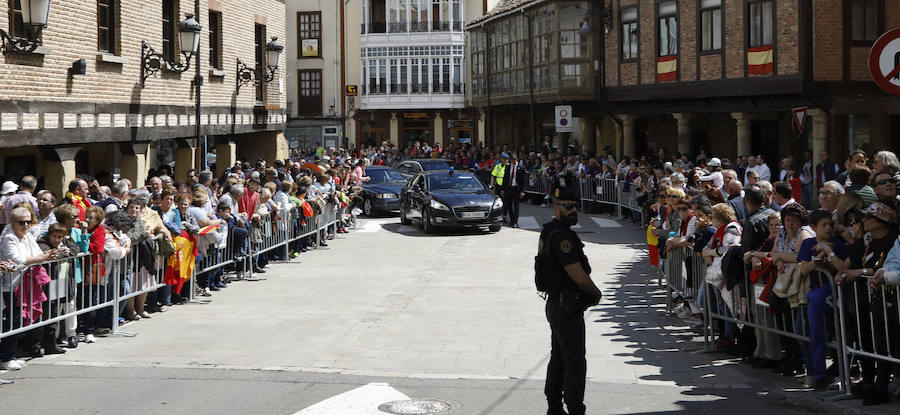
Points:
x=410, y=168
x=381, y=194
x=450, y=199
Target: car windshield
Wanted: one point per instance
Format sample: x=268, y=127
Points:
x=438, y=165
x=384, y=176
x=456, y=182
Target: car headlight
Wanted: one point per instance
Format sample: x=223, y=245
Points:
x=438, y=205
x=385, y=196
x=498, y=204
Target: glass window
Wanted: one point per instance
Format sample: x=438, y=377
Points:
x=404, y=69
x=668, y=28
x=710, y=25
x=761, y=23
x=457, y=76
x=215, y=39
x=169, y=19
x=859, y=132
x=445, y=75
x=260, y=60
x=572, y=43
x=395, y=82
x=309, y=33
x=382, y=76
x=629, y=33
x=864, y=20
x=435, y=75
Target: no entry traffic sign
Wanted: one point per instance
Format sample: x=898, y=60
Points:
x=884, y=61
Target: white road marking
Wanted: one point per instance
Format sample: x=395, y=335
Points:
x=606, y=223
x=372, y=226
x=529, y=222
x=360, y=401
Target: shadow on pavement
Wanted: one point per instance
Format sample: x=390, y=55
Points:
x=636, y=308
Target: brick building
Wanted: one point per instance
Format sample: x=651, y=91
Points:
x=57, y=122
x=681, y=75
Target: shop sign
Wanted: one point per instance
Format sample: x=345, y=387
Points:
x=459, y=124
x=415, y=115
x=351, y=91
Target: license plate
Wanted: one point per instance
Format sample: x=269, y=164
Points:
x=471, y=215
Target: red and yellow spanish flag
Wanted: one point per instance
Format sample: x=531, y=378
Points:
x=760, y=60
x=666, y=69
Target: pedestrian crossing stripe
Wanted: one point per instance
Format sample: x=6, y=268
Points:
x=606, y=223
x=360, y=401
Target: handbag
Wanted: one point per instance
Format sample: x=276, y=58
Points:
x=307, y=210
x=714, y=273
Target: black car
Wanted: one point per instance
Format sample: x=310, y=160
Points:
x=410, y=168
x=381, y=193
x=448, y=198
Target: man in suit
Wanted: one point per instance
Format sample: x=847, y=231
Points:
x=513, y=189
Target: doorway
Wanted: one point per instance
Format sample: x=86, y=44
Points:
x=372, y=136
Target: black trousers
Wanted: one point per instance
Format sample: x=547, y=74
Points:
x=567, y=370
x=511, y=204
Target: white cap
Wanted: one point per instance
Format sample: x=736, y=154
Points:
x=714, y=162
x=9, y=187
x=667, y=165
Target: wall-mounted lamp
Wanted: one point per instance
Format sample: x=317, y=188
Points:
x=189, y=43
x=35, y=14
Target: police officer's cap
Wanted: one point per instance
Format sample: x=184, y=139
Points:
x=564, y=194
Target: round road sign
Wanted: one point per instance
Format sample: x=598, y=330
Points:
x=884, y=61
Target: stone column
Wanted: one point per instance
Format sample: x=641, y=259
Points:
x=59, y=169
x=743, y=133
x=627, y=135
x=184, y=159
x=683, y=124
x=395, y=130
x=226, y=156
x=134, y=162
x=439, y=129
x=819, y=137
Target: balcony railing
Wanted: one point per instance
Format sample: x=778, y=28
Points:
x=413, y=27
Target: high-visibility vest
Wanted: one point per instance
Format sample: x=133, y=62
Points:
x=499, y=171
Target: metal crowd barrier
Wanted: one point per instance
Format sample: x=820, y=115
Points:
x=613, y=192
x=866, y=322
x=74, y=287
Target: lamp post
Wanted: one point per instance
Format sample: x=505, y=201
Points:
x=35, y=14
x=245, y=75
x=189, y=46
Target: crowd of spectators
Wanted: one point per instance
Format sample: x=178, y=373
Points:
x=761, y=234
x=59, y=254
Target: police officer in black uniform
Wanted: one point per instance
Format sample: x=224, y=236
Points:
x=562, y=271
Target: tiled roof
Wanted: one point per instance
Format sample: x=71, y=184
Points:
x=502, y=7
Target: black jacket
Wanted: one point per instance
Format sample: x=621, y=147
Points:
x=521, y=178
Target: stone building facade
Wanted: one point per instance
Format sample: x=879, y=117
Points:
x=56, y=122
x=686, y=75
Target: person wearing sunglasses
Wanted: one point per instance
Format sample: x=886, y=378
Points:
x=563, y=273
x=886, y=189
x=19, y=247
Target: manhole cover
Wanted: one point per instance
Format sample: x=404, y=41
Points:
x=416, y=407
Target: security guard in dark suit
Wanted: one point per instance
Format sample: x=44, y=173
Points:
x=512, y=190
x=562, y=272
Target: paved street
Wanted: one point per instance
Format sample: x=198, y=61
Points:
x=387, y=313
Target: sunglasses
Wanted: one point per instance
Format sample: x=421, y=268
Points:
x=24, y=222
x=885, y=181
x=568, y=206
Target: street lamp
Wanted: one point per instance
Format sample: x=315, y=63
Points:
x=188, y=44
x=245, y=75
x=35, y=14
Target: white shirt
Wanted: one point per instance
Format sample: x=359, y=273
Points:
x=17, y=250
x=764, y=172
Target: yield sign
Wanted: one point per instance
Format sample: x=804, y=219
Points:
x=884, y=61
x=799, y=118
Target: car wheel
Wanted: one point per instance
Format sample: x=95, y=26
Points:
x=494, y=228
x=426, y=223
x=367, y=208
x=403, y=219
